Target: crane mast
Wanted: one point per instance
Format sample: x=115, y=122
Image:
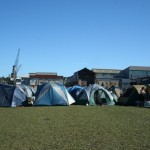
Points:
x=15, y=69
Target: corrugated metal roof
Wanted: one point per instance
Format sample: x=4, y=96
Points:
x=25, y=76
x=147, y=68
x=46, y=76
x=43, y=73
x=106, y=70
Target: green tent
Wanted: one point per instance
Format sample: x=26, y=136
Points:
x=95, y=94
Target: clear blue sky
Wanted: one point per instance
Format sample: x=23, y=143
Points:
x=65, y=36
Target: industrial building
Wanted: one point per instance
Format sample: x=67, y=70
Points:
x=111, y=77
x=42, y=77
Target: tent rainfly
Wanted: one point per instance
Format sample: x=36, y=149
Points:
x=52, y=93
x=131, y=96
x=95, y=94
x=11, y=96
x=75, y=91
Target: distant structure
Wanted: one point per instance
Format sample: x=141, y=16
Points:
x=36, y=79
x=107, y=77
x=83, y=77
x=25, y=79
x=111, y=77
x=15, y=70
x=134, y=75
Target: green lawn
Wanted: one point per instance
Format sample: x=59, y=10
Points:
x=75, y=127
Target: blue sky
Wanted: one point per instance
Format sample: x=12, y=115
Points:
x=65, y=36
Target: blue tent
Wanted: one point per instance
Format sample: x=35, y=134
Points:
x=52, y=94
x=75, y=91
x=11, y=96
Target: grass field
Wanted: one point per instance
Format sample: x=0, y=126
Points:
x=75, y=128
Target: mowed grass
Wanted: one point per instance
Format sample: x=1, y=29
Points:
x=75, y=128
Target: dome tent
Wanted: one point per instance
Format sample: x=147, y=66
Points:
x=29, y=92
x=11, y=96
x=115, y=92
x=49, y=94
x=130, y=97
x=75, y=91
x=95, y=94
x=27, y=89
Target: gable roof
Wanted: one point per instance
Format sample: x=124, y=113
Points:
x=85, y=69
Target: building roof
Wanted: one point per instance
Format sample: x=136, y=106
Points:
x=46, y=76
x=25, y=76
x=144, y=68
x=85, y=69
x=43, y=73
x=106, y=70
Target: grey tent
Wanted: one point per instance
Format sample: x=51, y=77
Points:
x=53, y=94
x=11, y=96
x=116, y=93
x=27, y=89
x=95, y=94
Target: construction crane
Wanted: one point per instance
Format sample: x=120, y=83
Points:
x=15, y=69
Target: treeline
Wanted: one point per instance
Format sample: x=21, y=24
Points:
x=4, y=80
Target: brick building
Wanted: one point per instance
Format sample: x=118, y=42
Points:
x=82, y=77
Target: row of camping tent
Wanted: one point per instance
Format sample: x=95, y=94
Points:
x=96, y=94
x=57, y=94
x=93, y=94
x=12, y=96
x=50, y=94
x=132, y=95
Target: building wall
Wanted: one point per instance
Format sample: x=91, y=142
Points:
x=103, y=77
x=134, y=72
x=86, y=76
x=37, y=79
x=82, y=83
x=82, y=77
x=145, y=80
x=130, y=75
x=138, y=74
x=25, y=80
x=106, y=77
x=108, y=83
x=72, y=80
